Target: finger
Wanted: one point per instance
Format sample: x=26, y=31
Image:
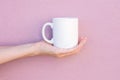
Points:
x=82, y=41
x=74, y=50
x=66, y=54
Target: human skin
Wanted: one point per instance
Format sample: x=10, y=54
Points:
x=9, y=53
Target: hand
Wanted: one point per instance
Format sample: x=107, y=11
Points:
x=47, y=49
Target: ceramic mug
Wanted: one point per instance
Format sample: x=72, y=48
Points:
x=65, y=32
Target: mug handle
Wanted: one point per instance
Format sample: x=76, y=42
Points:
x=43, y=32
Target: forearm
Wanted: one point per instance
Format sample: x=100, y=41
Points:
x=15, y=52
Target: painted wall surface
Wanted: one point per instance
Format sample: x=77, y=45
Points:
x=21, y=22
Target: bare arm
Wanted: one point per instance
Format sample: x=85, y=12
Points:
x=9, y=53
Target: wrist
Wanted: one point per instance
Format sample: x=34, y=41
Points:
x=29, y=49
x=35, y=49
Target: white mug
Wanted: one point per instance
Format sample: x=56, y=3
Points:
x=65, y=32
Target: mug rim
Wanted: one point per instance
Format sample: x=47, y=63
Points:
x=65, y=18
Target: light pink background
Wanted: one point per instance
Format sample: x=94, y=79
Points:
x=21, y=22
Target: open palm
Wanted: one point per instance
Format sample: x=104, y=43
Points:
x=49, y=49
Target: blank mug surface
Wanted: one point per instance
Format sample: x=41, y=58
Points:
x=65, y=32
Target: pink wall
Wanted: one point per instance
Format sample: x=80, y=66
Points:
x=21, y=22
